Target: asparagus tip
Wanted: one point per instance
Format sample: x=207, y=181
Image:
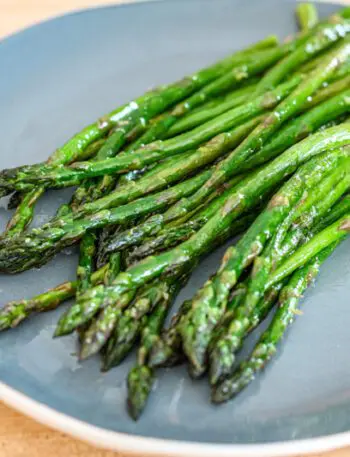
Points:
x=140, y=382
x=220, y=393
x=221, y=360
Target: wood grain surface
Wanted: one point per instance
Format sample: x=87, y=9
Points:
x=20, y=436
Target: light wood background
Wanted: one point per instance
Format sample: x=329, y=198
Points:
x=20, y=436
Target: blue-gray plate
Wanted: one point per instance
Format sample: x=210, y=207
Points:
x=59, y=76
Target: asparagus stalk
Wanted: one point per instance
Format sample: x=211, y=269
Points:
x=324, y=36
x=209, y=303
x=136, y=235
x=86, y=262
x=16, y=198
x=149, y=105
x=38, y=246
x=307, y=16
x=15, y=312
x=334, y=233
x=12, y=314
x=255, y=65
x=167, y=350
x=301, y=127
x=100, y=329
x=263, y=308
x=141, y=377
x=24, y=177
x=293, y=132
x=222, y=354
x=176, y=260
x=176, y=235
x=267, y=344
x=175, y=169
x=131, y=322
x=199, y=116
x=25, y=207
x=263, y=132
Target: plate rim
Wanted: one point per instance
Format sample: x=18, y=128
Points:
x=133, y=443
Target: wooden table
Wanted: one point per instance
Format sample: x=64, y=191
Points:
x=20, y=436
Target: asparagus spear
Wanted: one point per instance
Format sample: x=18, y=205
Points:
x=174, y=170
x=209, y=303
x=175, y=235
x=90, y=151
x=293, y=132
x=100, y=329
x=136, y=235
x=336, y=212
x=175, y=261
x=199, y=116
x=24, y=177
x=12, y=314
x=301, y=127
x=166, y=350
x=86, y=262
x=222, y=355
x=267, y=344
x=252, y=66
x=25, y=207
x=263, y=132
x=334, y=233
x=141, y=377
x=131, y=322
x=15, y=312
x=307, y=16
x=262, y=310
x=321, y=39
x=38, y=246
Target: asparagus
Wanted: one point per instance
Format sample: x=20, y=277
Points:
x=293, y=132
x=149, y=105
x=332, y=234
x=307, y=16
x=263, y=132
x=209, y=303
x=325, y=35
x=131, y=322
x=26, y=177
x=175, y=235
x=192, y=120
x=222, y=354
x=262, y=310
x=136, y=235
x=86, y=262
x=255, y=65
x=156, y=101
x=175, y=169
x=167, y=351
x=176, y=260
x=267, y=344
x=25, y=206
x=301, y=127
x=336, y=212
x=100, y=329
x=12, y=314
x=141, y=377
x=39, y=245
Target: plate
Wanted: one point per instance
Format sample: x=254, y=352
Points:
x=61, y=75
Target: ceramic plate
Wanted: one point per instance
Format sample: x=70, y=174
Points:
x=61, y=75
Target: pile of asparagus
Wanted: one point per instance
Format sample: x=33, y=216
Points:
x=257, y=144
